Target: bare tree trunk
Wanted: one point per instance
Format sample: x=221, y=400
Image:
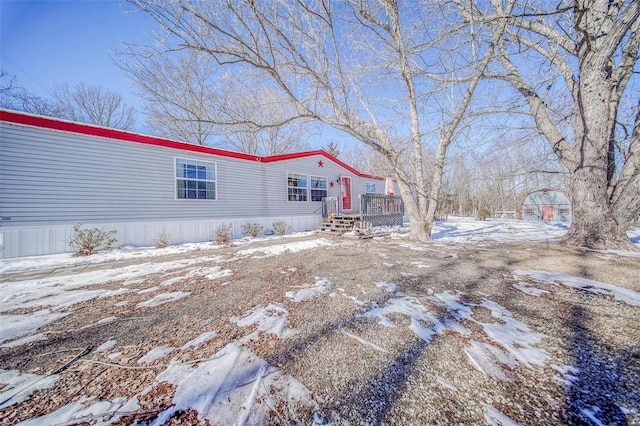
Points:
x=595, y=60
x=594, y=224
x=436, y=183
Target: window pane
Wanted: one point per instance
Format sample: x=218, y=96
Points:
x=318, y=194
x=318, y=182
x=211, y=171
x=296, y=180
x=297, y=194
x=202, y=172
x=180, y=168
x=195, y=179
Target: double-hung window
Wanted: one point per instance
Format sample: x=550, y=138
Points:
x=370, y=188
x=297, y=187
x=195, y=179
x=318, y=188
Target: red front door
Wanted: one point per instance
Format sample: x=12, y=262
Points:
x=345, y=192
x=547, y=213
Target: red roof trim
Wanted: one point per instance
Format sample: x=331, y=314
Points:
x=104, y=132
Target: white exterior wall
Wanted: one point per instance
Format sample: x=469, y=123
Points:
x=51, y=180
x=22, y=241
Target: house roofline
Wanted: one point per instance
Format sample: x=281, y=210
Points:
x=39, y=121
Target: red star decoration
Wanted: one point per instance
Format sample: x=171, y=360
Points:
x=330, y=184
x=320, y=163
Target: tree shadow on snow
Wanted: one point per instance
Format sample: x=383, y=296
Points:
x=600, y=385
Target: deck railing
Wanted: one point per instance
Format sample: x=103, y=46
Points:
x=382, y=210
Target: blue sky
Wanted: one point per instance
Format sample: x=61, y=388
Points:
x=48, y=43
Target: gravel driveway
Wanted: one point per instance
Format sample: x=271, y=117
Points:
x=339, y=331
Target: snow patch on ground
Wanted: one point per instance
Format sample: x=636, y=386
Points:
x=423, y=323
x=17, y=326
x=489, y=359
x=514, y=341
x=106, y=345
x=163, y=298
x=64, y=291
x=568, y=374
x=19, y=386
x=270, y=319
x=106, y=320
x=233, y=387
x=78, y=411
x=496, y=418
x=526, y=288
x=320, y=287
x=625, y=295
x=156, y=353
x=515, y=336
x=463, y=230
x=279, y=249
x=390, y=287
x=204, y=337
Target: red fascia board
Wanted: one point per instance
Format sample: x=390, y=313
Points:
x=121, y=135
x=324, y=154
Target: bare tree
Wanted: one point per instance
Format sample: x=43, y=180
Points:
x=355, y=66
x=14, y=96
x=365, y=159
x=573, y=63
x=187, y=97
x=175, y=94
x=333, y=148
x=93, y=105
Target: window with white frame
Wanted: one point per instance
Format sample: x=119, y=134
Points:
x=370, y=188
x=195, y=179
x=318, y=188
x=296, y=187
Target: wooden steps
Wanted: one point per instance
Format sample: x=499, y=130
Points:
x=340, y=224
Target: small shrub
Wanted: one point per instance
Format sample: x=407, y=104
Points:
x=281, y=227
x=224, y=234
x=252, y=229
x=483, y=214
x=161, y=240
x=85, y=242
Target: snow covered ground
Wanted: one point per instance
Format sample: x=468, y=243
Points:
x=455, y=230
x=235, y=386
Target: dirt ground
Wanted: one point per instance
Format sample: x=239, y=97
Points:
x=358, y=369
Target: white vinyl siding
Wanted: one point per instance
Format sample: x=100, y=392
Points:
x=195, y=179
x=53, y=179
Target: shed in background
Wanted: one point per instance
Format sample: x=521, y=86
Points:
x=547, y=205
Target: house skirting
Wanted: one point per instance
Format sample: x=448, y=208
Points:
x=20, y=241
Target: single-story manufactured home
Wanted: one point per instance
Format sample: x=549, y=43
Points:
x=56, y=173
x=547, y=205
